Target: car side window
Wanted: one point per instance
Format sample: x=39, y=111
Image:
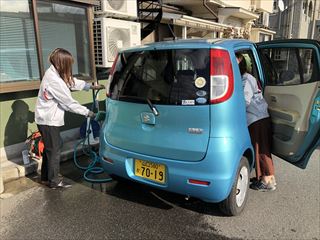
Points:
x=251, y=63
x=289, y=66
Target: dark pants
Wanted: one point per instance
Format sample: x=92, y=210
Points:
x=51, y=154
x=261, y=138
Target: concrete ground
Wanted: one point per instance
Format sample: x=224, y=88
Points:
x=125, y=210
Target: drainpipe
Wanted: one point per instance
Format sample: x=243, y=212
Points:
x=313, y=19
x=291, y=19
x=184, y=32
x=209, y=9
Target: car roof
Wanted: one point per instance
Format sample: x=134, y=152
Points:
x=188, y=43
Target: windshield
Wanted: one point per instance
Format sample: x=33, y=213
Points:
x=175, y=77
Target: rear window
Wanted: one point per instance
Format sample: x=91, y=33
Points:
x=174, y=77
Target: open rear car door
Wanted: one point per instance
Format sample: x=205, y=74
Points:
x=292, y=90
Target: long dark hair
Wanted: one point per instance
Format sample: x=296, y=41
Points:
x=242, y=63
x=62, y=60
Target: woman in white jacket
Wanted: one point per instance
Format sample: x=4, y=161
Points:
x=259, y=124
x=54, y=98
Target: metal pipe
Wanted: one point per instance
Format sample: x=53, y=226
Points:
x=291, y=20
x=209, y=9
x=313, y=20
x=37, y=37
x=184, y=32
x=90, y=16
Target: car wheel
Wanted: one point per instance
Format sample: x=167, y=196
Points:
x=237, y=198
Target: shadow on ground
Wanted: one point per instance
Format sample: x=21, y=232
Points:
x=139, y=193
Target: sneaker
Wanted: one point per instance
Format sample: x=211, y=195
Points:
x=262, y=187
x=61, y=184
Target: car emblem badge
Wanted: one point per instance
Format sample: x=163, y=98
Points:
x=195, y=130
x=148, y=118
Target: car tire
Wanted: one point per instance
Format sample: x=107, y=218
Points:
x=236, y=201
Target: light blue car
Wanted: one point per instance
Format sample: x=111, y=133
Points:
x=176, y=116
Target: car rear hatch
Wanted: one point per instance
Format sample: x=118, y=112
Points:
x=159, y=103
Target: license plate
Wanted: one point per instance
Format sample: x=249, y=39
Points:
x=150, y=170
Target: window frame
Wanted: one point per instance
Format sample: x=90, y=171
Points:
x=26, y=85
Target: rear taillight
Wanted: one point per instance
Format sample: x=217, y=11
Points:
x=221, y=76
x=113, y=68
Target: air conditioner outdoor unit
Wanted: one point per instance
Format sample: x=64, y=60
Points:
x=263, y=19
x=117, y=8
x=112, y=34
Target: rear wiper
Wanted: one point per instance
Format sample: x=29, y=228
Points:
x=140, y=99
x=153, y=108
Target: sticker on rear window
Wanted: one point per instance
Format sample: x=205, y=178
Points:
x=188, y=102
x=201, y=100
x=200, y=82
x=201, y=93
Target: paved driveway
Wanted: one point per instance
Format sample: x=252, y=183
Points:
x=132, y=211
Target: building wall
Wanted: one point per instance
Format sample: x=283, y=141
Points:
x=264, y=5
x=229, y=13
x=296, y=18
x=17, y=115
x=236, y=3
x=234, y=21
x=17, y=102
x=299, y=24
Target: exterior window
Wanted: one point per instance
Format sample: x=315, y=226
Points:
x=310, y=10
x=305, y=6
x=289, y=66
x=275, y=5
x=65, y=26
x=18, y=54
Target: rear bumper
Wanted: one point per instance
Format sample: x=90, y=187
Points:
x=218, y=167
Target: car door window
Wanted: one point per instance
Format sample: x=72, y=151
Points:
x=289, y=66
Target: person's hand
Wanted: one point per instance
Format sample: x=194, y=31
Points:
x=97, y=87
x=91, y=114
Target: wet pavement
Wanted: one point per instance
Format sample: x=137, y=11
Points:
x=126, y=210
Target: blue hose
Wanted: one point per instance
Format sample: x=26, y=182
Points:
x=91, y=169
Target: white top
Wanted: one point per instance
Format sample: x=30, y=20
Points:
x=256, y=105
x=54, y=98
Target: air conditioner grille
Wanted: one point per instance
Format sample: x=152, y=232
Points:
x=97, y=43
x=134, y=30
x=117, y=38
x=119, y=5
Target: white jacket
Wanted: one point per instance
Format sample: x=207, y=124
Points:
x=54, y=98
x=256, y=105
